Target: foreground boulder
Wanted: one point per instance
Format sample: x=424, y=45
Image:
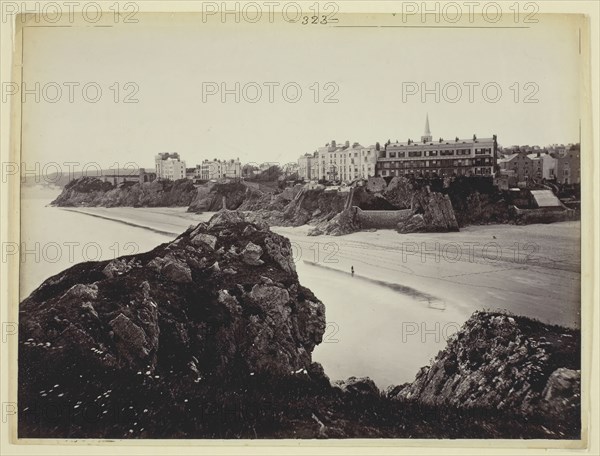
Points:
x=222, y=299
x=504, y=362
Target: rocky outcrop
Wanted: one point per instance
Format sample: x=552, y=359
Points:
x=314, y=206
x=210, y=197
x=432, y=212
x=503, y=362
x=220, y=303
x=399, y=192
x=345, y=222
x=92, y=192
x=358, y=386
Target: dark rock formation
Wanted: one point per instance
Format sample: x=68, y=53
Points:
x=503, y=362
x=314, y=206
x=432, y=212
x=210, y=197
x=358, y=386
x=399, y=192
x=345, y=222
x=158, y=320
x=92, y=191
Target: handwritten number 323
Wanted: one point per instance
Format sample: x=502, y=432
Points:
x=314, y=20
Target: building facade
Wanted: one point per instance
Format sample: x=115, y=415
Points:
x=305, y=166
x=544, y=166
x=221, y=169
x=568, y=167
x=344, y=163
x=146, y=176
x=170, y=166
x=461, y=157
x=518, y=165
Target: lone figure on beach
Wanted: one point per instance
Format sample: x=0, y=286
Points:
x=352, y=270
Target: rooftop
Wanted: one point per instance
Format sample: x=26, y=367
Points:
x=469, y=141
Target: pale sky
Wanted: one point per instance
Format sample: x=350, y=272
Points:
x=170, y=62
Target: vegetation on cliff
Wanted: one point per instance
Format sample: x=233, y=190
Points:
x=93, y=192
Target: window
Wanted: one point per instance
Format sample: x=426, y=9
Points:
x=392, y=154
x=433, y=153
x=415, y=153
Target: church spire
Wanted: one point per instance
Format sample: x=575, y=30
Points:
x=427, y=136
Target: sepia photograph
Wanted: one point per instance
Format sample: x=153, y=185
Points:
x=306, y=221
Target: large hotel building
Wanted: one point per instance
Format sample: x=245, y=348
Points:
x=476, y=156
x=345, y=163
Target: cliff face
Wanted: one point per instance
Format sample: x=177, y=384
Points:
x=432, y=211
x=209, y=197
x=92, y=192
x=477, y=202
x=506, y=363
x=297, y=207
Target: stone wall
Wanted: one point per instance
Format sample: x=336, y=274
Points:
x=542, y=215
x=381, y=219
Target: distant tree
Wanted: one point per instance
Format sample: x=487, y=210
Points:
x=249, y=170
x=270, y=174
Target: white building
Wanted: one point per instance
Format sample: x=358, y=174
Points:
x=344, y=163
x=305, y=166
x=221, y=169
x=169, y=166
x=544, y=165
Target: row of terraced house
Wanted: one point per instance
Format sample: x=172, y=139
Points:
x=427, y=157
x=170, y=166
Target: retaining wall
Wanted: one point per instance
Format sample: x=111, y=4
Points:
x=381, y=219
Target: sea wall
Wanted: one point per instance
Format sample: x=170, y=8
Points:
x=542, y=215
x=381, y=219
